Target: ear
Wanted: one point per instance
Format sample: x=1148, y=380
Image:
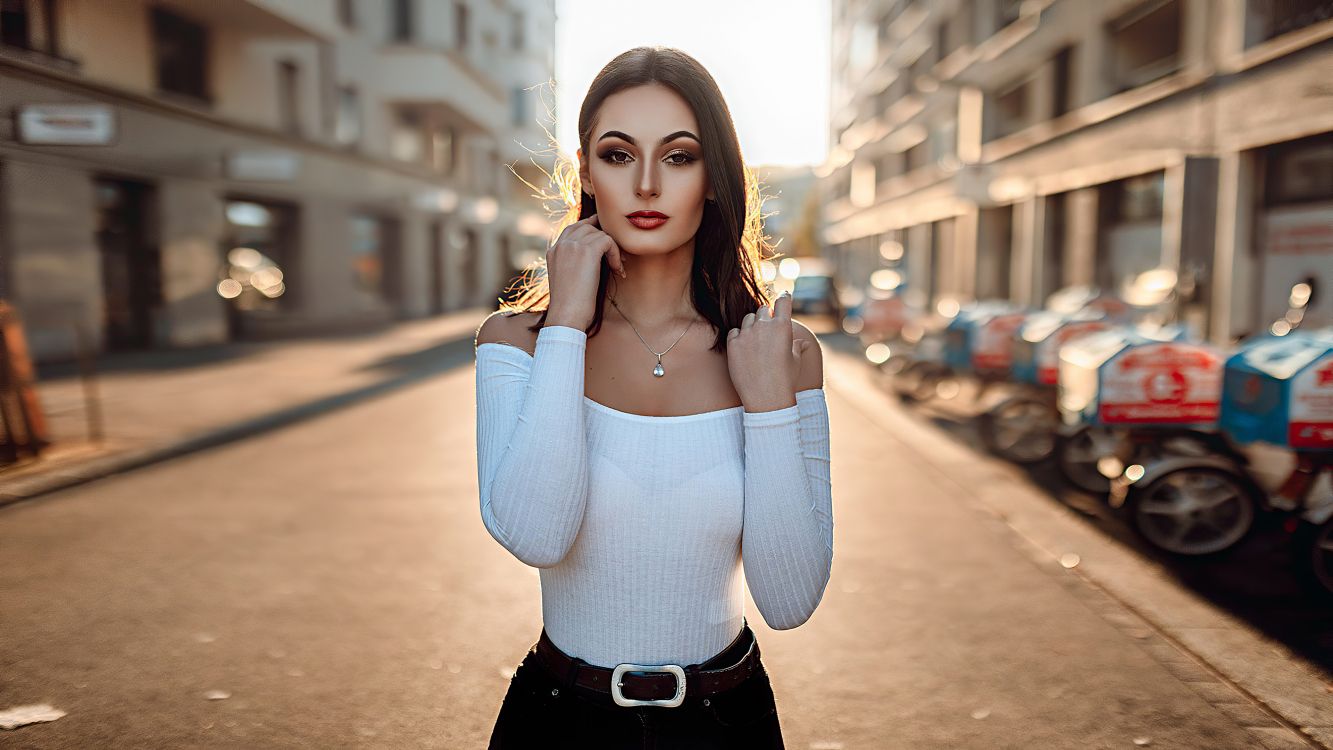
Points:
x=585, y=181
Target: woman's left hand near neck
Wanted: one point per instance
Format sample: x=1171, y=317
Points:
x=764, y=357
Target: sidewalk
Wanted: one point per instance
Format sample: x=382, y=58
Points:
x=1281, y=699
x=157, y=405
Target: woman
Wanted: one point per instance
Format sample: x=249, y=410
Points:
x=630, y=455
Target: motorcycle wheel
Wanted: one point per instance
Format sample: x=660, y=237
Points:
x=1194, y=512
x=918, y=381
x=1019, y=429
x=1077, y=456
x=1313, y=556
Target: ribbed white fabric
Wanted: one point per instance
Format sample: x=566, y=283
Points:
x=637, y=522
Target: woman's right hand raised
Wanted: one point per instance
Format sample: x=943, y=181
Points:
x=573, y=271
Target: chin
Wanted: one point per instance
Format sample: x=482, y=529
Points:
x=651, y=242
x=652, y=247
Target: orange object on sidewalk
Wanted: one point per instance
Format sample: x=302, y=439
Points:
x=21, y=415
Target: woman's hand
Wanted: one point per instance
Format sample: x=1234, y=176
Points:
x=573, y=271
x=764, y=357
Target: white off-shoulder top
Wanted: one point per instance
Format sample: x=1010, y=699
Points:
x=641, y=525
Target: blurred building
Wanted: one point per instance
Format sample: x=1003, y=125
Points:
x=179, y=172
x=791, y=205
x=996, y=148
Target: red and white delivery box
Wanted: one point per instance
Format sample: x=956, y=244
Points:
x=1161, y=383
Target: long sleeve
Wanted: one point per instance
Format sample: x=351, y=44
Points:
x=532, y=453
x=787, y=542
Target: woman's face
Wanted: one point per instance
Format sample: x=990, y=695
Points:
x=646, y=157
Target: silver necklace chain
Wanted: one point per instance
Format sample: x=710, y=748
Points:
x=658, y=370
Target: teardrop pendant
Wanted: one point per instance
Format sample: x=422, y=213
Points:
x=658, y=371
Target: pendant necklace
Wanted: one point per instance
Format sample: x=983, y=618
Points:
x=658, y=371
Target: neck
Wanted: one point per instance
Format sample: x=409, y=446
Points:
x=657, y=291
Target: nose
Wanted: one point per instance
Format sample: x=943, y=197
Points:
x=646, y=184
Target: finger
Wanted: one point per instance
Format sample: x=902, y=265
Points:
x=748, y=320
x=733, y=333
x=763, y=313
x=782, y=306
x=614, y=258
x=578, y=227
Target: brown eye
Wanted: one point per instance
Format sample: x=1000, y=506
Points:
x=607, y=157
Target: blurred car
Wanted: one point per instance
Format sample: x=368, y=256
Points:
x=815, y=294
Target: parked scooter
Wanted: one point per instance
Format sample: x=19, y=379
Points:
x=1276, y=393
x=1138, y=415
x=1274, y=396
x=1022, y=426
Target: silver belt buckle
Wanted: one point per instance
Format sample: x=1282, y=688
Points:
x=672, y=702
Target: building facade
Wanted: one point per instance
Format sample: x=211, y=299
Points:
x=1005, y=149
x=184, y=172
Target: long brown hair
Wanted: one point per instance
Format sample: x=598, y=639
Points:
x=725, y=281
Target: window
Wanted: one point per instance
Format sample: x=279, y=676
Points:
x=402, y=20
x=460, y=26
x=955, y=31
x=367, y=256
x=347, y=131
x=1133, y=199
x=289, y=92
x=1266, y=19
x=518, y=101
x=1145, y=44
x=516, y=32
x=1063, y=82
x=994, y=252
x=347, y=13
x=889, y=165
x=1007, y=11
x=262, y=240
x=29, y=25
x=15, y=24
x=1008, y=111
x=405, y=140
x=376, y=260
x=1053, y=244
x=181, y=54
x=917, y=156
x=1299, y=171
x=444, y=149
x=920, y=67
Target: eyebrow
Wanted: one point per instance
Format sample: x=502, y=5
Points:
x=663, y=142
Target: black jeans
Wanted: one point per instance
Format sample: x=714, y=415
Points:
x=540, y=712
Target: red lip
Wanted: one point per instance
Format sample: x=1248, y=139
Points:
x=647, y=215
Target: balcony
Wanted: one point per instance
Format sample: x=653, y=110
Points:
x=276, y=18
x=433, y=77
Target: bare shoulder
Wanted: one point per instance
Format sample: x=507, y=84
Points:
x=501, y=327
x=812, y=361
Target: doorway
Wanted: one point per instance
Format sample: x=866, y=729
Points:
x=131, y=263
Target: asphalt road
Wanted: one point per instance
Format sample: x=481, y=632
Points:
x=333, y=581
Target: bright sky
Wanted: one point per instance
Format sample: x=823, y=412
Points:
x=769, y=57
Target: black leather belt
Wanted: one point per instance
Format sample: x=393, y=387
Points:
x=651, y=684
